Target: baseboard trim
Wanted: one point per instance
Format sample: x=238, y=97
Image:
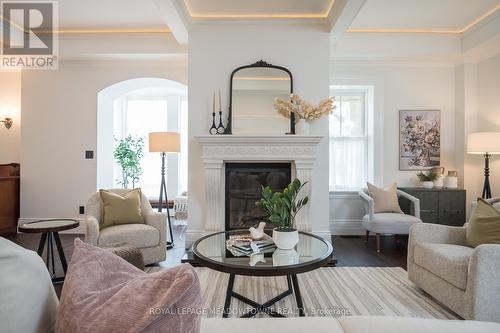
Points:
x=347, y=228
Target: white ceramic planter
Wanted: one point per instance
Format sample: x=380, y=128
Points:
x=285, y=257
x=439, y=183
x=285, y=240
x=302, y=127
x=427, y=184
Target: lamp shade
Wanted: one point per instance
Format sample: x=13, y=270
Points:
x=483, y=142
x=164, y=142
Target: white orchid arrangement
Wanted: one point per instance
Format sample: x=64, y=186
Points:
x=303, y=109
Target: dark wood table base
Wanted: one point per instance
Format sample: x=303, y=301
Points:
x=49, y=238
x=293, y=288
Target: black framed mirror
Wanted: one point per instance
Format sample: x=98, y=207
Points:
x=252, y=91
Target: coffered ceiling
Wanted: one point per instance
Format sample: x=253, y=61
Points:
x=438, y=16
x=219, y=9
x=110, y=15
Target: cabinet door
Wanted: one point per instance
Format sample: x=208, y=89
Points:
x=428, y=206
x=452, y=208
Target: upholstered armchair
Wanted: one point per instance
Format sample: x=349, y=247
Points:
x=149, y=238
x=388, y=223
x=465, y=279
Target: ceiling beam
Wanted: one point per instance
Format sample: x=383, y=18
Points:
x=171, y=14
x=341, y=17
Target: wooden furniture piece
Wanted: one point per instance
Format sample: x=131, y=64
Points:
x=50, y=235
x=440, y=206
x=9, y=198
x=311, y=253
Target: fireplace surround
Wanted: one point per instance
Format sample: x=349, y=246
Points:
x=218, y=151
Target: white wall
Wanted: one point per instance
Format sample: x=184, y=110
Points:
x=396, y=87
x=10, y=106
x=215, y=50
x=59, y=124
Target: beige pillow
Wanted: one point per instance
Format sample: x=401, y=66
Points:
x=386, y=200
x=484, y=225
x=117, y=209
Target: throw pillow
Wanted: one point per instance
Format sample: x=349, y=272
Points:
x=484, y=225
x=104, y=293
x=120, y=209
x=386, y=200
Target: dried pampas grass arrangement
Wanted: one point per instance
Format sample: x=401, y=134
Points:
x=303, y=109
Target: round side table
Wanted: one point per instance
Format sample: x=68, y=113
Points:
x=50, y=235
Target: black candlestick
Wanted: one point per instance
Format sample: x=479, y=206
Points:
x=213, y=130
x=220, y=128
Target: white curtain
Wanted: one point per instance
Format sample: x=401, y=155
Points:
x=348, y=168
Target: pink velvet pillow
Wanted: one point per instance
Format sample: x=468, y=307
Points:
x=104, y=293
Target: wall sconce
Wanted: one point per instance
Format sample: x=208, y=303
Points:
x=7, y=122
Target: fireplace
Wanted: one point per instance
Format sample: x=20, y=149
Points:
x=244, y=182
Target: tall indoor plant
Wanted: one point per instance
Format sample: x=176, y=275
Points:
x=282, y=208
x=128, y=153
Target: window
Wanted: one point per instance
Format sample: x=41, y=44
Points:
x=349, y=141
x=139, y=113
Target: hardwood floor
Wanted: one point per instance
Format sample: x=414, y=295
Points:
x=349, y=250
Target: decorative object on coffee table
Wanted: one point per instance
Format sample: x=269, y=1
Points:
x=419, y=139
x=486, y=144
x=210, y=251
x=427, y=178
x=282, y=208
x=164, y=142
x=50, y=235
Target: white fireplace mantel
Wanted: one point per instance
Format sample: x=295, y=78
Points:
x=300, y=150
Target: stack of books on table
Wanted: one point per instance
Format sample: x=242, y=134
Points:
x=244, y=247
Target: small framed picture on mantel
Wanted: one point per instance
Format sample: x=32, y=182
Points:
x=419, y=139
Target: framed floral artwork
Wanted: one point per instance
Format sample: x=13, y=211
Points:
x=419, y=139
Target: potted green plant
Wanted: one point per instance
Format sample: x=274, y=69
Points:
x=427, y=178
x=128, y=153
x=282, y=208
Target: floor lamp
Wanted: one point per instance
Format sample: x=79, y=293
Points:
x=164, y=142
x=486, y=144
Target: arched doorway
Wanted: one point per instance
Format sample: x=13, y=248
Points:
x=134, y=108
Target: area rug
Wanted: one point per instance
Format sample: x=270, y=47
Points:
x=329, y=291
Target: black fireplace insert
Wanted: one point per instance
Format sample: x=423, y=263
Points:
x=244, y=182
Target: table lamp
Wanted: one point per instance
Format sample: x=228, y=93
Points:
x=164, y=142
x=487, y=144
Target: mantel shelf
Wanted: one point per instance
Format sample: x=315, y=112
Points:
x=260, y=139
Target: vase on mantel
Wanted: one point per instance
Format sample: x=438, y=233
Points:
x=302, y=127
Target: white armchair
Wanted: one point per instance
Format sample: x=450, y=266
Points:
x=465, y=279
x=388, y=223
x=149, y=238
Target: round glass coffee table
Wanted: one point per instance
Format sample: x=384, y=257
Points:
x=311, y=252
x=50, y=234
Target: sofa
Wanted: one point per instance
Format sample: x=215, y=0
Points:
x=149, y=238
x=28, y=304
x=465, y=279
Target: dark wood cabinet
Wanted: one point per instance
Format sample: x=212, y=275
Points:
x=441, y=206
x=9, y=198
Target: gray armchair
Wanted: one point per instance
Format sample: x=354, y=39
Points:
x=465, y=279
x=149, y=238
x=388, y=223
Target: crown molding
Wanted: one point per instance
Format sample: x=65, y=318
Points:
x=465, y=29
